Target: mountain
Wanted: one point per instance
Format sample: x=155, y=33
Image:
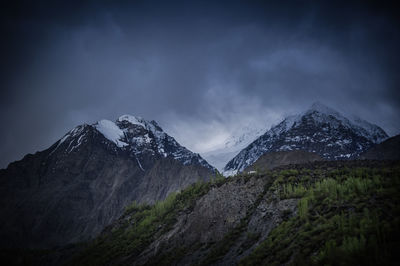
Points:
x=233, y=145
x=271, y=160
x=321, y=213
x=320, y=129
x=82, y=183
x=387, y=150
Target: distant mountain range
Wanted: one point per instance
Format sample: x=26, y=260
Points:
x=320, y=129
x=238, y=140
x=72, y=190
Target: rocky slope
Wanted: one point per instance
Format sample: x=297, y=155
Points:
x=271, y=160
x=320, y=129
x=82, y=183
x=322, y=213
x=387, y=150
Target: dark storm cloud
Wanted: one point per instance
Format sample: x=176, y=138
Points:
x=200, y=68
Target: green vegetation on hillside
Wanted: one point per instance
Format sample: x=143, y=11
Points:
x=141, y=224
x=345, y=217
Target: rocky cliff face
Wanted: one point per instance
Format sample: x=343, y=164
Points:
x=71, y=191
x=203, y=219
x=320, y=129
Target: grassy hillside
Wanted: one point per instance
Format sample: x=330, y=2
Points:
x=346, y=215
x=322, y=213
x=349, y=216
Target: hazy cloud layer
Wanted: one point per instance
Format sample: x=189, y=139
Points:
x=201, y=69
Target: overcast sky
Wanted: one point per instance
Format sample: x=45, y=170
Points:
x=201, y=69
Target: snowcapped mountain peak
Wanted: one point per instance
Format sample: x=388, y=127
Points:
x=322, y=108
x=76, y=131
x=129, y=120
x=111, y=131
x=135, y=120
x=319, y=129
x=134, y=136
x=321, y=114
x=288, y=122
x=317, y=111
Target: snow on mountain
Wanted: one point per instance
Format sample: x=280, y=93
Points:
x=111, y=132
x=84, y=181
x=133, y=120
x=319, y=129
x=233, y=145
x=74, y=137
x=135, y=136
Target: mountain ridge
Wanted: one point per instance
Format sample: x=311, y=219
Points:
x=72, y=190
x=319, y=129
x=136, y=135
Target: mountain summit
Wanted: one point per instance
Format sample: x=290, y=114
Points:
x=83, y=182
x=135, y=137
x=319, y=129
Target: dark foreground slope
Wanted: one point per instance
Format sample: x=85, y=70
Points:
x=271, y=160
x=323, y=213
x=387, y=150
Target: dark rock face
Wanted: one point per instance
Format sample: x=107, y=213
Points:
x=71, y=191
x=387, y=150
x=217, y=213
x=320, y=129
x=271, y=160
